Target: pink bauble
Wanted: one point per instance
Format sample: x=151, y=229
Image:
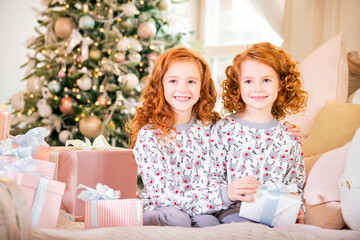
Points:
x=152, y=57
x=147, y=30
x=66, y=105
x=120, y=57
x=61, y=74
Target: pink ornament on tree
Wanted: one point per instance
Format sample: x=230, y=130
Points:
x=61, y=74
x=66, y=105
x=147, y=30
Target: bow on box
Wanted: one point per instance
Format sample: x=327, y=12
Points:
x=102, y=192
x=273, y=205
x=33, y=138
x=98, y=144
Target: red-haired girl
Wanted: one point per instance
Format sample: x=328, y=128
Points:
x=261, y=87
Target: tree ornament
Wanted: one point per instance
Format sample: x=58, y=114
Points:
x=90, y=126
x=120, y=57
x=34, y=84
x=66, y=105
x=17, y=102
x=164, y=4
x=45, y=92
x=129, y=9
x=86, y=22
x=102, y=99
x=126, y=25
x=135, y=45
x=135, y=57
x=123, y=44
x=64, y=135
x=146, y=30
x=63, y=27
x=84, y=83
x=131, y=80
x=54, y=86
x=144, y=81
x=61, y=74
x=151, y=57
x=79, y=6
x=44, y=109
x=95, y=54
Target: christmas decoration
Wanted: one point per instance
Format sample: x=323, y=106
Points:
x=63, y=27
x=86, y=22
x=90, y=126
x=88, y=57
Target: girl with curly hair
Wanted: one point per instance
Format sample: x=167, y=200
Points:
x=171, y=141
x=261, y=87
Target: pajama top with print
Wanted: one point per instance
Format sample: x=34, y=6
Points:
x=265, y=150
x=176, y=173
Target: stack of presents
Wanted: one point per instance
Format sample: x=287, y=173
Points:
x=81, y=179
x=78, y=179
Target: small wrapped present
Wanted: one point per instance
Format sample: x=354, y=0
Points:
x=273, y=205
x=5, y=120
x=104, y=209
x=114, y=167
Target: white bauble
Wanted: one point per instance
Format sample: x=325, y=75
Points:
x=134, y=57
x=135, y=45
x=65, y=135
x=44, y=109
x=131, y=80
x=123, y=44
x=17, y=102
x=84, y=83
x=54, y=86
x=34, y=84
x=129, y=9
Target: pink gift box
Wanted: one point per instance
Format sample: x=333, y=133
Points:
x=43, y=168
x=113, y=213
x=5, y=120
x=115, y=168
x=51, y=207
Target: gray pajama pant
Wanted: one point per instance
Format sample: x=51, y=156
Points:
x=170, y=216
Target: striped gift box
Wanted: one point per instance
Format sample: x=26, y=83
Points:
x=43, y=168
x=113, y=213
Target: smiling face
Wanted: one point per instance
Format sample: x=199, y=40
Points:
x=259, y=86
x=182, y=83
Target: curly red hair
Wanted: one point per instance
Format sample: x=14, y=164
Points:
x=157, y=112
x=291, y=98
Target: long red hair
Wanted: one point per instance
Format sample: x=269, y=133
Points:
x=291, y=98
x=156, y=111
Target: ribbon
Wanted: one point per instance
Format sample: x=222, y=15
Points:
x=98, y=144
x=76, y=38
x=139, y=209
x=39, y=201
x=34, y=138
x=94, y=222
x=272, y=196
x=102, y=192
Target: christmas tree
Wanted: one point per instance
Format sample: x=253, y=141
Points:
x=91, y=60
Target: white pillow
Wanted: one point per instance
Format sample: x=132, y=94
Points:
x=325, y=77
x=354, y=98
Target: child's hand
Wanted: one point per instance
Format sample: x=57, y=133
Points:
x=242, y=186
x=295, y=130
x=300, y=217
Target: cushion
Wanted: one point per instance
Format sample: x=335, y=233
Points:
x=321, y=191
x=334, y=126
x=325, y=77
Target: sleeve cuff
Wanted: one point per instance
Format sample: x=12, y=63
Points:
x=224, y=196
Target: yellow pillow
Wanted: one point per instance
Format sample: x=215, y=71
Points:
x=334, y=126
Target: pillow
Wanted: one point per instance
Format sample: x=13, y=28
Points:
x=325, y=77
x=354, y=98
x=321, y=191
x=334, y=126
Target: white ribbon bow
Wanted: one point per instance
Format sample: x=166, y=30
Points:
x=76, y=38
x=98, y=144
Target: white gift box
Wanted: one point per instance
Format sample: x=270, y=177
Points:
x=272, y=206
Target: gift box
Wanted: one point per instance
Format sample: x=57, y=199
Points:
x=273, y=205
x=114, y=167
x=113, y=213
x=43, y=168
x=5, y=120
x=43, y=197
